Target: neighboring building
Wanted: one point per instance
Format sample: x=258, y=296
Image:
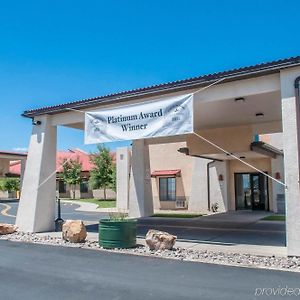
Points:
x=63, y=190
x=7, y=158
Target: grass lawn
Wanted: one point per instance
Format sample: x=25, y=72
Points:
x=100, y=202
x=274, y=218
x=179, y=215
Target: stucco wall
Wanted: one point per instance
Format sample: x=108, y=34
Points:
x=219, y=188
x=166, y=157
x=274, y=139
x=233, y=139
x=98, y=194
x=4, y=166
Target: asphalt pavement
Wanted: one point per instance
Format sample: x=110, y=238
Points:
x=8, y=212
x=31, y=271
x=225, y=229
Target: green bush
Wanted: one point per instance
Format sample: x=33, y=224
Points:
x=10, y=184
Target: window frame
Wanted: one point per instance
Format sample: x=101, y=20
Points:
x=167, y=197
x=62, y=187
x=84, y=183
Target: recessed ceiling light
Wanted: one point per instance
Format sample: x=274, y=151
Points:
x=239, y=99
x=260, y=114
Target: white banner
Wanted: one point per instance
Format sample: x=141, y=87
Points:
x=168, y=117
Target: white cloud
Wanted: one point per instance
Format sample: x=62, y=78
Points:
x=20, y=149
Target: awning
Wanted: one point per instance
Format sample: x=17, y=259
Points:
x=265, y=149
x=166, y=173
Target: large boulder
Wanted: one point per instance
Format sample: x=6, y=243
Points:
x=7, y=228
x=74, y=231
x=160, y=240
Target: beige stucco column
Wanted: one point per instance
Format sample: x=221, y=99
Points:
x=198, y=196
x=219, y=188
x=140, y=190
x=36, y=211
x=123, y=171
x=291, y=161
x=278, y=190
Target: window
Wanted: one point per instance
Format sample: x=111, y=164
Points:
x=61, y=187
x=167, y=188
x=84, y=187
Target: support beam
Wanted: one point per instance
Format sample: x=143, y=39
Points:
x=36, y=211
x=140, y=193
x=199, y=189
x=123, y=171
x=278, y=190
x=291, y=159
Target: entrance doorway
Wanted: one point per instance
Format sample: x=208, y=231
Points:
x=251, y=191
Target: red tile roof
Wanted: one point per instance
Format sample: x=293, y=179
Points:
x=15, y=167
x=83, y=157
x=165, y=173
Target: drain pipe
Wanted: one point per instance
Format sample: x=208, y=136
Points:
x=186, y=151
x=208, y=182
x=212, y=160
x=297, y=96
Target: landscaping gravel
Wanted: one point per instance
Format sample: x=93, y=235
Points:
x=233, y=259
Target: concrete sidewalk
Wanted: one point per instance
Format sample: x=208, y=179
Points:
x=89, y=207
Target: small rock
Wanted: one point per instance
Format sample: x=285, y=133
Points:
x=160, y=240
x=7, y=228
x=74, y=231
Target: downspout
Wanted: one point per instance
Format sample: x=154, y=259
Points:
x=297, y=97
x=213, y=160
x=208, y=182
x=186, y=151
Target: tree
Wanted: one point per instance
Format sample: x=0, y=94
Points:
x=102, y=175
x=114, y=178
x=72, y=173
x=10, y=184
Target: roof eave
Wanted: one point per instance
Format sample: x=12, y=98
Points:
x=163, y=89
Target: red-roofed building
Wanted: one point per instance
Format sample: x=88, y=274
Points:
x=6, y=159
x=83, y=190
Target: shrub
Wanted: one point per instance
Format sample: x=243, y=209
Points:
x=10, y=184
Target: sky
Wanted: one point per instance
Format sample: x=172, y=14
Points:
x=53, y=52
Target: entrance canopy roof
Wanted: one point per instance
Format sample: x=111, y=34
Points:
x=229, y=113
x=254, y=71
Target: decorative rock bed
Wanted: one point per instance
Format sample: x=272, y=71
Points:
x=232, y=259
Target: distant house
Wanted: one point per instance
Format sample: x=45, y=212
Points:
x=63, y=190
x=8, y=158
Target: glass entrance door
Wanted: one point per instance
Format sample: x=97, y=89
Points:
x=251, y=191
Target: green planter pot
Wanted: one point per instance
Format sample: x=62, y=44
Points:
x=117, y=234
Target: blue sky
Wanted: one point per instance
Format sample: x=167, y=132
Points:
x=53, y=52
